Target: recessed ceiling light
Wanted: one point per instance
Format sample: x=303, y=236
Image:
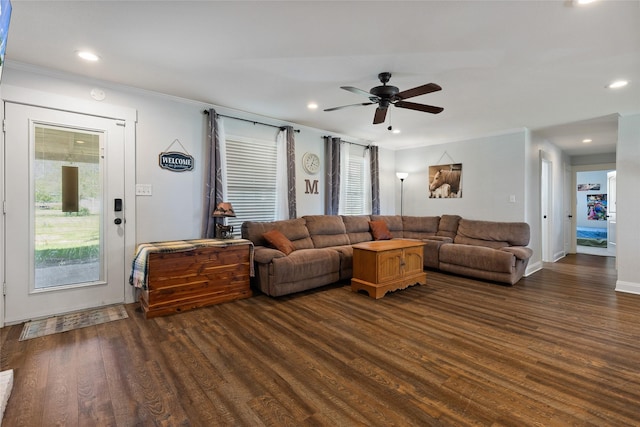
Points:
x=79, y=141
x=586, y=141
x=618, y=84
x=88, y=56
x=312, y=106
x=396, y=131
x=585, y=1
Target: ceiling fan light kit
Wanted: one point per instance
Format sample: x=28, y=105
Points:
x=386, y=95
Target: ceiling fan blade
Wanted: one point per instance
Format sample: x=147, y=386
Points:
x=380, y=115
x=419, y=107
x=347, y=106
x=357, y=91
x=417, y=91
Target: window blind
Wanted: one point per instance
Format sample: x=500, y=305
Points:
x=355, y=194
x=251, y=180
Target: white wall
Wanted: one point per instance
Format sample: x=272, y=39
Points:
x=492, y=171
x=628, y=203
x=174, y=209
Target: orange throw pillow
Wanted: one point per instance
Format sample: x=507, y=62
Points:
x=279, y=241
x=380, y=230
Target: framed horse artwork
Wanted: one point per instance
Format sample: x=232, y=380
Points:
x=445, y=181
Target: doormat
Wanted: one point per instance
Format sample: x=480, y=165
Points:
x=68, y=322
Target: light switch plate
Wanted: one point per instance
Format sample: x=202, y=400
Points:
x=144, y=189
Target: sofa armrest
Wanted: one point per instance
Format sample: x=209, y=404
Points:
x=432, y=244
x=264, y=255
x=520, y=252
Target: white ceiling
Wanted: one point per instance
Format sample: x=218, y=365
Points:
x=503, y=65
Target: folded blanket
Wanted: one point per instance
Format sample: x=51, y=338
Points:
x=140, y=265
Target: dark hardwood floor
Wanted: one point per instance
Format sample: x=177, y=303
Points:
x=559, y=348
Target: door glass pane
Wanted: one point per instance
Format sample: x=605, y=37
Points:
x=67, y=195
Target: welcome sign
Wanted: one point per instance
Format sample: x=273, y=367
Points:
x=176, y=161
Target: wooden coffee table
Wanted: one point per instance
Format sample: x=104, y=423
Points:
x=387, y=265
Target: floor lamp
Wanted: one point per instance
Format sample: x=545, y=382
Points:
x=402, y=176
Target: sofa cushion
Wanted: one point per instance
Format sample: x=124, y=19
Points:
x=305, y=264
x=379, y=230
x=295, y=230
x=279, y=241
x=394, y=224
x=357, y=227
x=419, y=227
x=477, y=257
x=448, y=225
x=326, y=230
x=492, y=234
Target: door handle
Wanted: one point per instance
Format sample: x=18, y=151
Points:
x=117, y=221
x=570, y=216
x=117, y=205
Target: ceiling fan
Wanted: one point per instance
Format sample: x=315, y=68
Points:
x=390, y=95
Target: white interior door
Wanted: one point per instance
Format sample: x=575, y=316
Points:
x=611, y=213
x=546, y=209
x=568, y=215
x=64, y=230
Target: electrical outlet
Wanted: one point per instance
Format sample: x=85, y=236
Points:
x=512, y=198
x=144, y=189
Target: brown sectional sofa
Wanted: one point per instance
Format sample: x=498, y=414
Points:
x=488, y=250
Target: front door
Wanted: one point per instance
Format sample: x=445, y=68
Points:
x=64, y=223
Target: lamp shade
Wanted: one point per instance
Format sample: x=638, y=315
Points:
x=402, y=175
x=224, y=209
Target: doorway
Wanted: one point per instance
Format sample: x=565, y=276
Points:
x=64, y=222
x=595, y=211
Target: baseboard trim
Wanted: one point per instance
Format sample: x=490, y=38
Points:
x=628, y=287
x=559, y=255
x=532, y=268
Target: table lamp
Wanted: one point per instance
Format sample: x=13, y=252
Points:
x=223, y=210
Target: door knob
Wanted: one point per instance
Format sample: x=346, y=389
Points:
x=117, y=221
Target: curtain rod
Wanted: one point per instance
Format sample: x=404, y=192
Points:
x=349, y=142
x=251, y=121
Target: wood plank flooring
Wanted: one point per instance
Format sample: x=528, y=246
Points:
x=559, y=348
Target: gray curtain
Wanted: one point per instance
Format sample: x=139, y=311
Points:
x=332, y=192
x=375, y=180
x=291, y=171
x=213, y=190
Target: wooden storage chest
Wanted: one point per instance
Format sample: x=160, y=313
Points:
x=387, y=265
x=206, y=275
